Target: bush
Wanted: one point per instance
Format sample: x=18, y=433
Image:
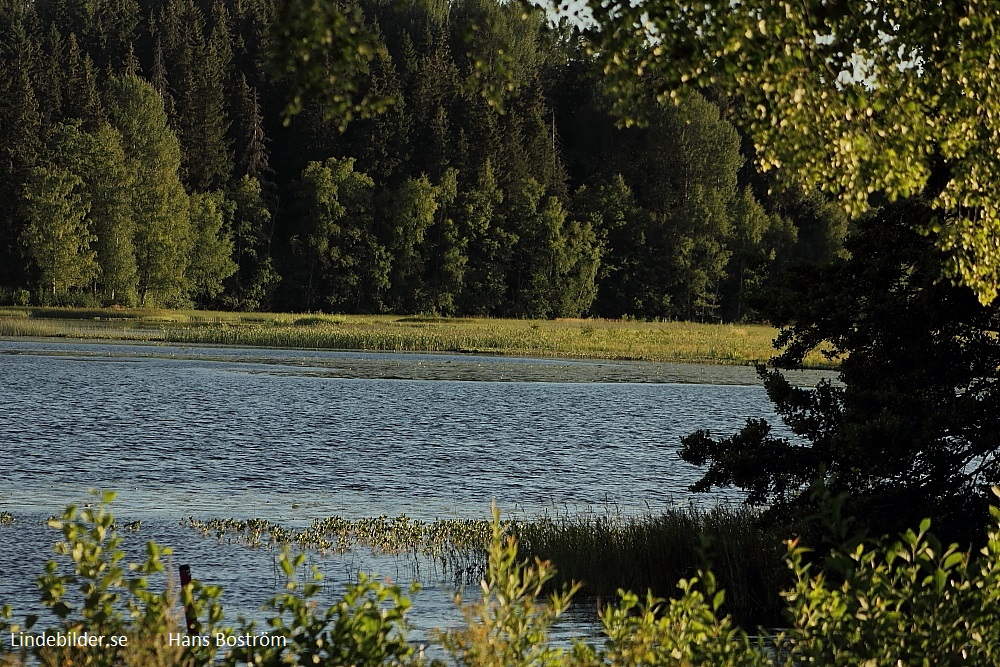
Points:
x=905, y=602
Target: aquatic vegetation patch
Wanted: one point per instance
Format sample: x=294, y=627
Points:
x=611, y=552
x=453, y=547
x=604, y=553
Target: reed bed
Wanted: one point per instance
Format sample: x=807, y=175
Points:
x=605, y=553
x=456, y=548
x=581, y=339
x=610, y=552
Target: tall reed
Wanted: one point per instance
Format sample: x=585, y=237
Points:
x=653, y=552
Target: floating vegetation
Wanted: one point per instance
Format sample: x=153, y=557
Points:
x=455, y=547
x=604, y=552
x=6, y=518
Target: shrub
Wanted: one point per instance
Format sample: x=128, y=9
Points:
x=902, y=602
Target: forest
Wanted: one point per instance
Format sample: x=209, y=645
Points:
x=145, y=160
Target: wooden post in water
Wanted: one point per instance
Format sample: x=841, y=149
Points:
x=189, y=616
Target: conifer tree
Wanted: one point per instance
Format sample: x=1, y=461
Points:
x=50, y=79
x=252, y=155
x=20, y=129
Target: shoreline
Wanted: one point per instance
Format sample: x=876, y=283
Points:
x=583, y=340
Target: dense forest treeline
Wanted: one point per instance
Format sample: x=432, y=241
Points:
x=144, y=160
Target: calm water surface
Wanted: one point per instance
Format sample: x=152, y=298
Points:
x=295, y=435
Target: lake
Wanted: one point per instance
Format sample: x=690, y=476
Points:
x=293, y=435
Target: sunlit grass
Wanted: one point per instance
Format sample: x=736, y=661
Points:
x=582, y=339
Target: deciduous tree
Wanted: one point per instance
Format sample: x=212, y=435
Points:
x=851, y=97
x=56, y=236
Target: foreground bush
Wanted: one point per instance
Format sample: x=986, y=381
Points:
x=908, y=602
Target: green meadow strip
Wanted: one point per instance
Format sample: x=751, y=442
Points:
x=580, y=339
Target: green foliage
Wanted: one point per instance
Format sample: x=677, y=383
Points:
x=410, y=214
x=365, y=628
x=211, y=253
x=509, y=626
x=57, y=237
x=109, y=187
x=480, y=102
x=911, y=601
x=850, y=97
x=904, y=438
x=323, y=47
x=907, y=601
x=97, y=593
x=163, y=236
x=252, y=285
x=346, y=267
x=488, y=245
x=555, y=259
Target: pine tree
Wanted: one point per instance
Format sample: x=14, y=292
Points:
x=158, y=79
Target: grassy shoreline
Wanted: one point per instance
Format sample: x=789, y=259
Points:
x=572, y=339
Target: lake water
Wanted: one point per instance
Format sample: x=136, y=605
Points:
x=295, y=435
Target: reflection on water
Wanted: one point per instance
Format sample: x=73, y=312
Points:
x=296, y=435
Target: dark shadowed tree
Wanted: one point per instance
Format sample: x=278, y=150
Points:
x=914, y=431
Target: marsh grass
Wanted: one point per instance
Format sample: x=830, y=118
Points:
x=604, y=553
x=454, y=548
x=653, y=552
x=581, y=339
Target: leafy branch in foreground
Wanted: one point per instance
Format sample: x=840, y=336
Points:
x=852, y=97
x=906, y=601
